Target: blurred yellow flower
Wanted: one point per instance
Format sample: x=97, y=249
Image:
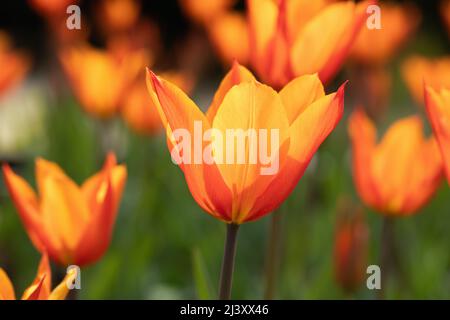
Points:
x=100, y=78
x=73, y=224
x=378, y=46
x=434, y=71
x=41, y=287
x=399, y=174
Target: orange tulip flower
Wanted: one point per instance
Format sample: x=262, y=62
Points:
x=398, y=175
x=350, y=248
x=438, y=110
x=378, y=46
x=40, y=288
x=138, y=110
x=73, y=224
x=100, y=78
x=286, y=42
x=237, y=191
x=435, y=72
x=14, y=64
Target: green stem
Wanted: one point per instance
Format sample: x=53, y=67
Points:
x=386, y=253
x=272, y=257
x=226, y=275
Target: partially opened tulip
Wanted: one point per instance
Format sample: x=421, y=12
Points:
x=438, y=110
x=434, y=71
x=378, y=46
x=289, y=38
x=74, y=224
x=397, y=175
x=100, y=78
x=14, y=64
x=41, y=287
x=246, y=154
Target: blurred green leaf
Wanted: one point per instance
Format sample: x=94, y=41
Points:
x=201, y=278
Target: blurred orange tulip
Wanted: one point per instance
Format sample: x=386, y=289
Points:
x=100, y=78
x=50, y=8
x=118, y=15
x=378, y=46
x=283, y=46
x=73, y=224
x=229, y=35
x=350, y=248
x=40, y=288
x=435, y=72
x=14, y=64
x=237, y=192
x=138, y=110
x=438, y=110
x=398, y=175
x=204, y=12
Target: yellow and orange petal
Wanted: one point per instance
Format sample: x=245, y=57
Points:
x=41, y=287
x=399, y=174
x=438, y=110
x=100, y=78
x=234, y=191
x=418, y=69
x=378, y=46
x=73, y=224
x=138, y=110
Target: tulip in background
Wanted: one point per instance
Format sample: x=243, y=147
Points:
x=41, y=287
x=238, y=193
x=438, y=110
x=14, y=64
x=101, y=78
x=291, y=38
x=395, y=176
x=73, y=224
x=138, y=110
x=434, y=71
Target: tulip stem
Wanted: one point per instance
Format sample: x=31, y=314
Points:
x=226, y=275
x=386, y=253
x=272, y=256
